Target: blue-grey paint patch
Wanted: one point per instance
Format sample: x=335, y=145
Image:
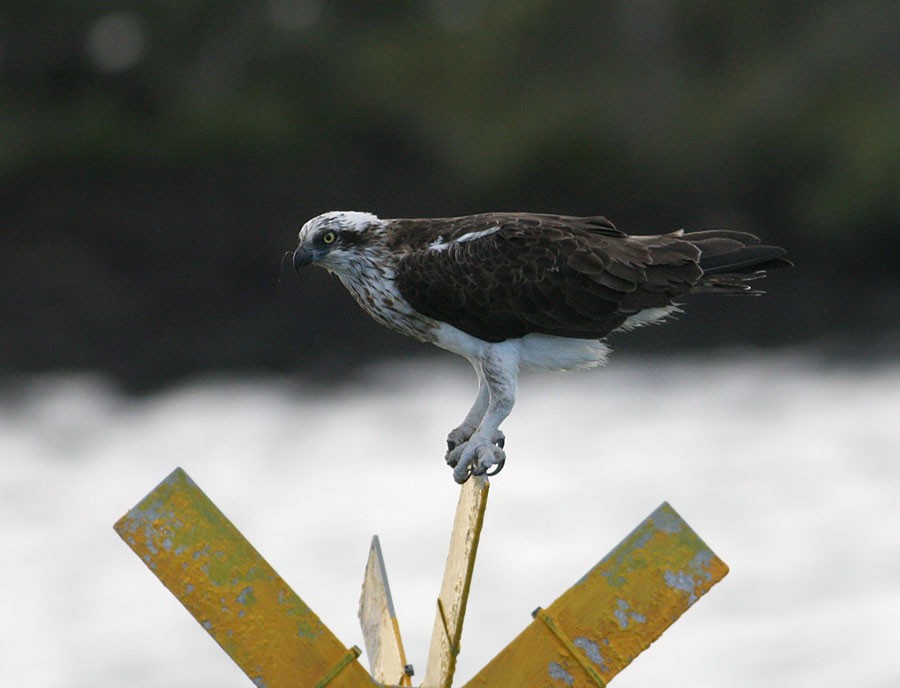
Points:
x=208, y=625
x=246, y=596
x=592, y=650
x=259, y=682
x=681, y=581
x=151, y=519
x=666, y=519
x=308, y=629
x=557, y=673
x=621, y=616
x=150, y=537
x=624, y=614
x=700, y=564
x=635, y=541
x=167, y=544
x=189, y=588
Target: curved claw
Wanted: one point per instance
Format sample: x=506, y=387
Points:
x=478, y=459
x=497, y=467
x=456, y=446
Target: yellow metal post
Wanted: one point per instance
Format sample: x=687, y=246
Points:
x=586, y=637
x=451, y=603
x=612, y=614
x=234, y=593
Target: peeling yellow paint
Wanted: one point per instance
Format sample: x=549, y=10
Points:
x=233, y=592
x=582, y=640
x=613, y=613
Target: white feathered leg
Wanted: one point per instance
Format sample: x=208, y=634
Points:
x=498, y=372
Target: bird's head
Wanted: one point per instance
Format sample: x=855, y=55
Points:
x=335, y=240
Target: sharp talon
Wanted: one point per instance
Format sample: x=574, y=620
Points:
x=461, y=479
x=497, y=467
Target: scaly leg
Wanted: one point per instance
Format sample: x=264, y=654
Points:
x=461, y=434
x=499, y=371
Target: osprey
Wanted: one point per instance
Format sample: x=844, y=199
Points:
x=517, y=290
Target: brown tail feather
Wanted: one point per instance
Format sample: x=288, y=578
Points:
x=731, y=260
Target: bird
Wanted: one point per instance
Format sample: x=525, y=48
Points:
x=511, y=291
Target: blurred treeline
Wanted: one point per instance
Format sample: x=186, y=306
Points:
x=158, y=158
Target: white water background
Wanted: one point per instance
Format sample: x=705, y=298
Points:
x=786, y=464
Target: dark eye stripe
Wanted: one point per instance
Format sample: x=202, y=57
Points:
x=351, y=238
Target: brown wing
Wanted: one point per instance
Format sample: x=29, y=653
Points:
x=570, y=277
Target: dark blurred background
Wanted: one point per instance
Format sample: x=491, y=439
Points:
x=158, y=159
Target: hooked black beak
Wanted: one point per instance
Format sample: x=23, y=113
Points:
x=302, y=257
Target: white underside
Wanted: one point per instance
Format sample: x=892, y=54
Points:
x=477, y=444
x=533, y=351
x=542, y=351
x=648, y=316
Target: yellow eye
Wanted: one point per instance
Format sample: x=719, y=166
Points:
x=329, y=238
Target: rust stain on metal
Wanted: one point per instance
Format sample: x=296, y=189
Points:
x=614, y=612
x=233, y=592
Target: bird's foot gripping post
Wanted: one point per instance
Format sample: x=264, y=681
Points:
x=584, y=638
